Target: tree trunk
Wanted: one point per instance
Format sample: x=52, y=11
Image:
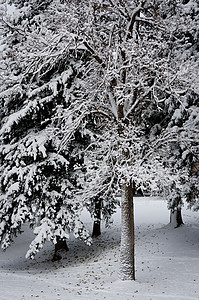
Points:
x=97, y=221
x=127, y=261
x=176, y=217
x=127, y=252
x=127, y=249
x=60, y=245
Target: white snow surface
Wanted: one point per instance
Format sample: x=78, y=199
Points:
x=167, y=262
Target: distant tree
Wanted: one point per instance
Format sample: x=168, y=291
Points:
x=182, y=156
x=182, y=120
x=167, y=126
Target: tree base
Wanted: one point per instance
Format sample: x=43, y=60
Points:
x=127, y=248
x=96, y=229
x=127, y=270
x=176, y=218
x=59, y=247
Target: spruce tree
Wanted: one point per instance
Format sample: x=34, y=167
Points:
x=181, y=120
x=38, y=179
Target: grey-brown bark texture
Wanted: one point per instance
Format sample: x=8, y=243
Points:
x=127, y=252
x=127, y=249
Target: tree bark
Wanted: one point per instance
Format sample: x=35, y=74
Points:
x=127, y=252
x=176, y=217
x=97, y=222
x=127, y=248
x=60, y=245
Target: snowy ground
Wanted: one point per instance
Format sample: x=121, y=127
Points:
x=167, y=263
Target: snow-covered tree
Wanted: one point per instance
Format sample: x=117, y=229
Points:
x=140, y=75
x=38, y=179
x=131, y=76
x=47, y=123
x=182, y=115
x=181, y=141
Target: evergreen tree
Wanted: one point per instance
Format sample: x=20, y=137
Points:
x=47, y=123
x=38, y=179
x=182, y=120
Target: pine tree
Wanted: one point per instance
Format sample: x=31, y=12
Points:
x=47, y=123
x=38, y=179
x=182, y=115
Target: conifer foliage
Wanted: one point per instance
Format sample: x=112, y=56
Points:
x=182, y=133
x=38, y=179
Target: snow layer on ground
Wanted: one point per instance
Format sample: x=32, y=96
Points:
x=167, y=262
